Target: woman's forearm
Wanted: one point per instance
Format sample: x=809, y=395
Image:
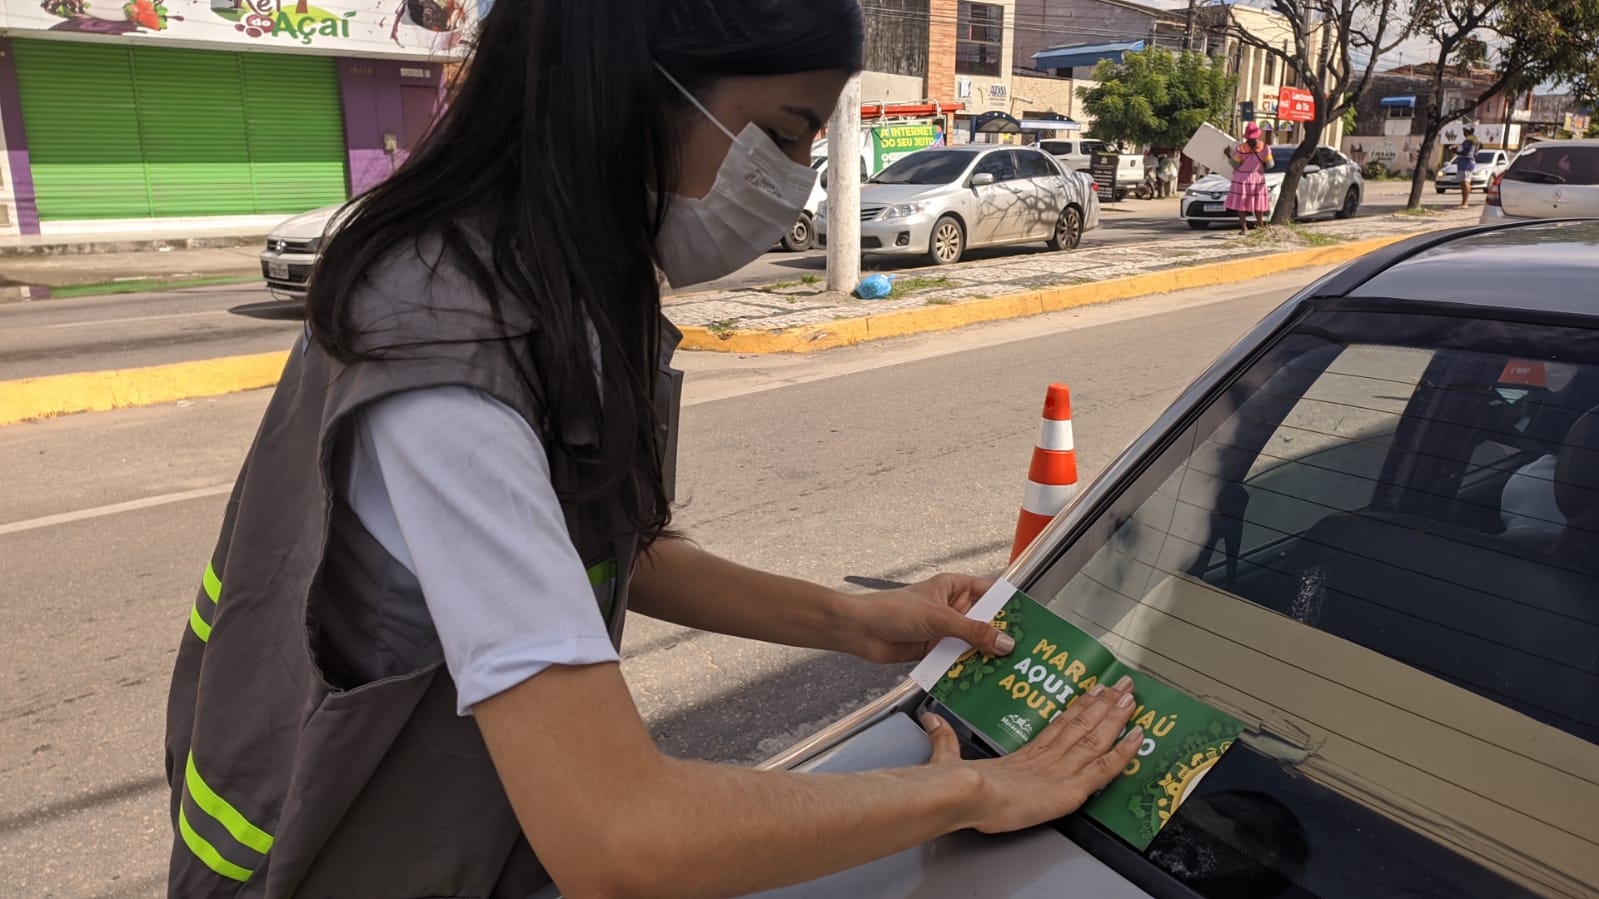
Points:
x=677, y=581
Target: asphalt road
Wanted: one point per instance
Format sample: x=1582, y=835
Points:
x=91, y=333
x=888, y=461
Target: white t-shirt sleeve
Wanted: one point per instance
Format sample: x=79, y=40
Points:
x=456, y=485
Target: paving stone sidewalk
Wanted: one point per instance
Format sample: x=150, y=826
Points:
x=790, y=305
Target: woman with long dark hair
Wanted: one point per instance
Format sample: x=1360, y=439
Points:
x=400, y=676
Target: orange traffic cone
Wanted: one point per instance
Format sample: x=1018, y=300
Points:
x=1052, y=478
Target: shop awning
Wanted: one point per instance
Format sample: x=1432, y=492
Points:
x=995, y=123
x=1399, y=101
x=1053, y=122
x=1079, y=55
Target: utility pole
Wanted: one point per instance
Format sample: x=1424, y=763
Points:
x=1188, y=35
x=844, y=190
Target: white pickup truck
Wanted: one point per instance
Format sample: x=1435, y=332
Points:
x=1077, y=154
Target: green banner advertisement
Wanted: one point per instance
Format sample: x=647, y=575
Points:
x=1010, y=699
x=890, y=143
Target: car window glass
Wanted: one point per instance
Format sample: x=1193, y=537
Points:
x=1056, y=147
x=1000, y=163
x=1556, y=165
x=1328, y=159
x=1380, y=546
x=926, y=167
x=1033, y=165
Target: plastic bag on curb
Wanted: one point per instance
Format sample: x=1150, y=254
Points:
x=875, y=287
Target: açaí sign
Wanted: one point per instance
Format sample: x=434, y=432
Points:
x=429, y=28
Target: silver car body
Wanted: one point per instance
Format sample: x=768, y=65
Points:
x=1024, y=203
x=292, y=250
x=1325, y=189
x=1453, y=274
x=1490, y=165
x=1537, y=186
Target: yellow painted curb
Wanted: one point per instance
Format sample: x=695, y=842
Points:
x=902, y=322
x=98, y=391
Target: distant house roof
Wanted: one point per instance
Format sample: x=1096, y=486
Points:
x=1075, y=56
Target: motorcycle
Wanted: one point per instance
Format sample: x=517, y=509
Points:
x=1147, y=189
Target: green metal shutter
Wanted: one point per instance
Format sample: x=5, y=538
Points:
x=131, y=132
x=83, y=131
x=296, y=131
x=191, y=124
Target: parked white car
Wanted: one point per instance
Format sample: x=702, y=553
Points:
x=1490, y=165
x=1549, y=179
x=1331, y=185
x=942, y=202
x=292, y=250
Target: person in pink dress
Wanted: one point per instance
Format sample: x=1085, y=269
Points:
x=1249, y=194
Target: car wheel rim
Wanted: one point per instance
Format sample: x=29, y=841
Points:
x=1066, y=231
x=800, y=234
x=947, y=243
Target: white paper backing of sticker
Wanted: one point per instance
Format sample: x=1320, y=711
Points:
x=949, y=649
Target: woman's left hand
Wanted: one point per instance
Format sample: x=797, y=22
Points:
x=904, y=625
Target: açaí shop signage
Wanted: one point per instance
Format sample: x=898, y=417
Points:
x=388, y=27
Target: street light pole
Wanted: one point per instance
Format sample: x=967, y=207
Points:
x=844, y=190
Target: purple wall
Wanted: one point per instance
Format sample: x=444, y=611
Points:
x=17, y=142
x=384, y=96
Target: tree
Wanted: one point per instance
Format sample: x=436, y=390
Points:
x=1531, y=42
x=1332, y=47
x=1155, y=98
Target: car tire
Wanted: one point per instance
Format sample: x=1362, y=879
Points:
x=1199, y=226
x=1442, y=191
x=802, y=236
x=948, y=242
x=1068, y=230
x=1351, y=204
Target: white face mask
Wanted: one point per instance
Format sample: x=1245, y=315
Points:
x=757, y=197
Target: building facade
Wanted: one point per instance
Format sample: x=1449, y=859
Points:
x=1391, y=117
x=1261, y=75
x=211, y=113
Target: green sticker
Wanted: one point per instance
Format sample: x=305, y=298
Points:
x=1010, y=699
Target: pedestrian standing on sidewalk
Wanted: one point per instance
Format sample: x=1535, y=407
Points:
x=1466, y=164
x=400, y=676
x=1249, y=193
x=1166, y=174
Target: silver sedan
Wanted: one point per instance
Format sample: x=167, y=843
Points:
x=942, y=202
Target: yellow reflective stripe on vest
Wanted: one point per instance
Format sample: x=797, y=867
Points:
x=601, y=573
x=225, y=814
x=213, y=584
x=213, y=590
x=208, y=853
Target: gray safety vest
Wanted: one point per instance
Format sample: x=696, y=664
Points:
x=285, y=783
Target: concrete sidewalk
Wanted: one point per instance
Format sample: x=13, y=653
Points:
x=796, y=317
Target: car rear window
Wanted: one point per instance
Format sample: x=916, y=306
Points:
x=1380, y=549
x=1556, y=165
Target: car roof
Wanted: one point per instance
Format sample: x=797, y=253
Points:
x=1568, y=142
x=1548, y=267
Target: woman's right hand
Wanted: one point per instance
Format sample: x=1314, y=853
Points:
x=1075, y=756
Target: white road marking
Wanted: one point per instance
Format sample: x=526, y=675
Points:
x=165, y=499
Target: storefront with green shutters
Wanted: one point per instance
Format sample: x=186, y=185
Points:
x=220, y=116
x=124, y=132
